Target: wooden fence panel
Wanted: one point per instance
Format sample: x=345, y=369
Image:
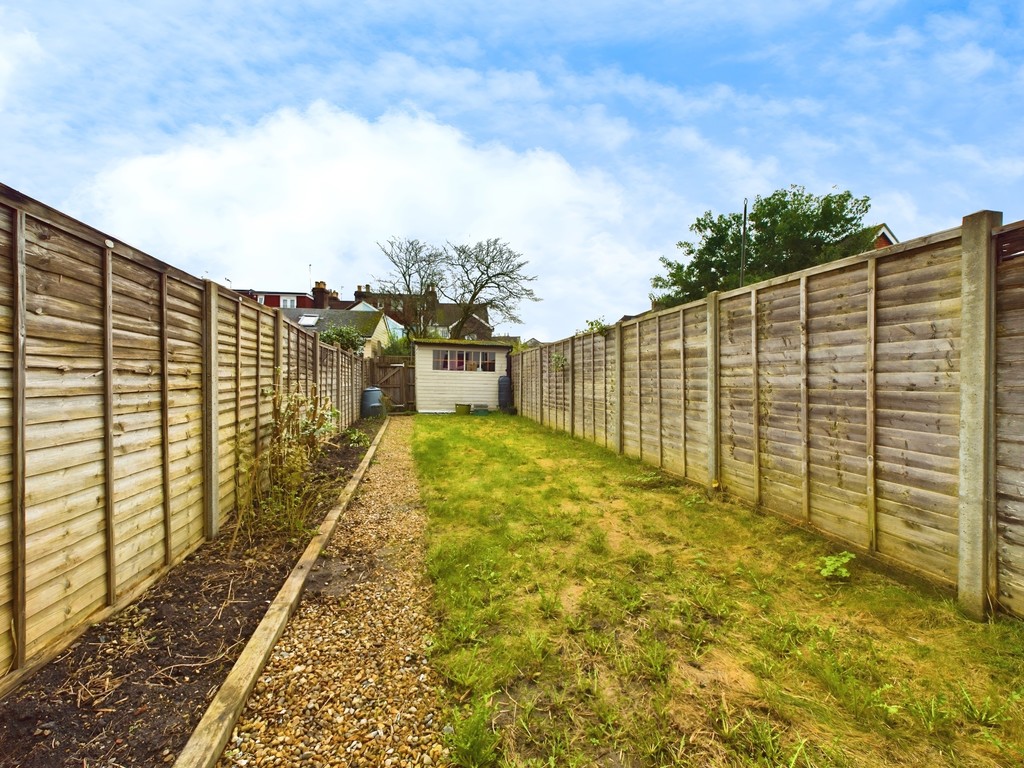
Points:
x=648, y=384
x=604, y=388
x=670, y=396
x=229, y=375
x=629, y=396
x=736, y=408
x=917, y=409
x=107, y=473
x=832, y=397
x=68, y=530
x=781, y=446
x=1009, y=424
x=8, y=540
x=185, y=433
x=837, y=402
x=695, y=388
x=138, y=470
x=268, y=374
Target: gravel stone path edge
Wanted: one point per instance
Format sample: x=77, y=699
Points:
x=210, y=737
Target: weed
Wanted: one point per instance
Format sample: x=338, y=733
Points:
x=274, y=495
x=550, y=606
x=986, y=712
x=473, y=742
x=655, y=658
x=355, y=438
x=597, y=542
x=833, y=567
x=933, y=713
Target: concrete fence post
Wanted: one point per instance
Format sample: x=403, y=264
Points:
x=619, y=439
x=210, y=410
x=975, y=577
x=714, y=441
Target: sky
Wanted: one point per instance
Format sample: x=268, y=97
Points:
x=267, y=145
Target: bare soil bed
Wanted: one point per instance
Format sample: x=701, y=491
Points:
x=130, y=691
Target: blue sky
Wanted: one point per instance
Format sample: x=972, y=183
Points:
x=268, y=143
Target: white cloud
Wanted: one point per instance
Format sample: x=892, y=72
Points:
x=321, y=187
x=16, y=49
x=966, y=62
x=730, y=171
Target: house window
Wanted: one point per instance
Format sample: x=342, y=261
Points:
x=287, y=302
x=463, y=360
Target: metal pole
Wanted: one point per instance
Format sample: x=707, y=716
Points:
x=743, y=243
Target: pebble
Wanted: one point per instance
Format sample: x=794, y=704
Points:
x=349, y=682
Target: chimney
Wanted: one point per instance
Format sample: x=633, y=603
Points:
x=320, y=295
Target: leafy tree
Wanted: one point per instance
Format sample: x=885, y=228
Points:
x=345, y=336
x=487, y=275
x=787, y=231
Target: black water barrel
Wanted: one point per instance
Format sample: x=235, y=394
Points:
x=505, y=393
x=373, y=402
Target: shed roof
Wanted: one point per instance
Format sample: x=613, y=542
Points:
x=462, y=343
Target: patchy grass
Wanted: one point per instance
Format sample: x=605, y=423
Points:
x=595, y=612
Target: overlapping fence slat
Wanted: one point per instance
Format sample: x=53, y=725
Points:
x=834, y=398
x=1009, y=418
x=113, y=466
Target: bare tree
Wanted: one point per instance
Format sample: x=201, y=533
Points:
x=488, y=278
x=411, y=286
x=487, y=275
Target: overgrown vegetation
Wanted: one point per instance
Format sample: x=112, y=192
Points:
x=597, y=325
x=276, y=495
x=345, y=336
x=596, y=612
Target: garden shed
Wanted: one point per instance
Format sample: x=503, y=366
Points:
x=451, y=372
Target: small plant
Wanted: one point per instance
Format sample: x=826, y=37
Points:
x=559, y=361
x=597, y=325
x=550, y=606
x=473, y=742
x=355, y=438
x=833, y=567
x=274, y=494
x=934, y=713
x=986, y=712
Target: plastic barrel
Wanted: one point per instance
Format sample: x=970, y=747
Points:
x=505, y=393
x=372, y=402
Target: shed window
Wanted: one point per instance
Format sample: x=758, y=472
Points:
x=463, y=360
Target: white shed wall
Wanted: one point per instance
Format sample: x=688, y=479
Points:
x=439, y=391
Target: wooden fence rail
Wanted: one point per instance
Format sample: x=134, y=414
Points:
x=129, y=394
x=878, y=400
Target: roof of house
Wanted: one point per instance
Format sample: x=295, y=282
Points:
x=364, y=322
x=449, y=314
x=882, y=232
x=273, y=293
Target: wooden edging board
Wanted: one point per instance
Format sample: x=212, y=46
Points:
x=204, y=747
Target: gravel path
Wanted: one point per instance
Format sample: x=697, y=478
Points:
x=348, y=683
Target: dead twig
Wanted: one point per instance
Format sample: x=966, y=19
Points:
x=207, y=661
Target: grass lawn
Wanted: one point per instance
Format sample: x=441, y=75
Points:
x=596, y=612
